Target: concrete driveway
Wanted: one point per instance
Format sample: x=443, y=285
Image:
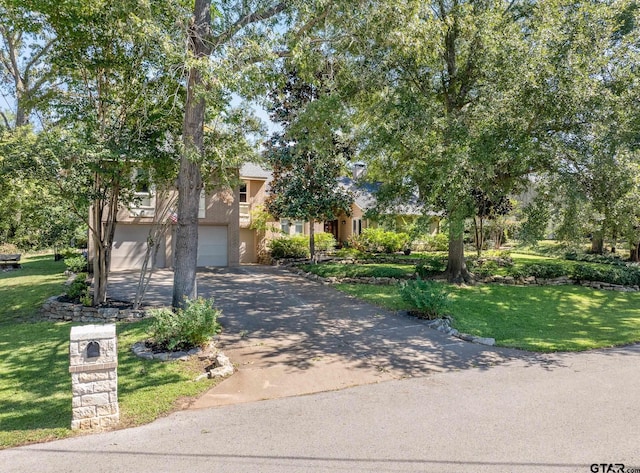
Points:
x=290, y=336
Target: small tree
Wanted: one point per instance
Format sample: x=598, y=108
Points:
x=307, y=156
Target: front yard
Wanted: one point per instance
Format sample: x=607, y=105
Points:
x=544, y=319
x=35, y=385
x=536, y=318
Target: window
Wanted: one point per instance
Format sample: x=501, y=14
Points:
x=144, y=199
x=298, y=228
x=202, y=212
x=284, y=226
x=243, y=192
x=357, y=226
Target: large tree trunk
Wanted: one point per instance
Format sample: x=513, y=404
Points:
x=457, y=271
x=597, y=243
x=634, y=252
x=189, y=177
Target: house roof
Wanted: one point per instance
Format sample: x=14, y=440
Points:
x=254, y=171
x=365, y=197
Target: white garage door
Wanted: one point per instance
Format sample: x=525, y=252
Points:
x=130, y=246
x=212, y=246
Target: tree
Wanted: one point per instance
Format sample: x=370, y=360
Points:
x=25, y=71
x=457, y=96
x=221, y=51
x=113, y=114
x=308, y=156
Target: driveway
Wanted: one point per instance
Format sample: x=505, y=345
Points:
x=290, y=336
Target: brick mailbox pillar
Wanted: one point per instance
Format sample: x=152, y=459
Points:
x=93, y=362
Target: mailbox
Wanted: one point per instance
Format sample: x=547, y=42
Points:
x=93, y=349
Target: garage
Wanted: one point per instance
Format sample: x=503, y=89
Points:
x=212, y=246
x=130, y=246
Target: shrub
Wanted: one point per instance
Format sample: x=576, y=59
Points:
x=431, y=265
x=429, y=299
x=541, y=270
x=78, y=290
x=377, y=240
x=486, y=268
x=324, y=241
x=9, y=249
x=186, y=328
x=349, y=253
x=626, y=276
x=290, y=247
x=76, y=264
x=437, y=242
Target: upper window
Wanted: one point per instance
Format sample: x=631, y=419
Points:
x=144, y=199
x=243, y=192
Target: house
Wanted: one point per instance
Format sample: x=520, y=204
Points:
x=226, y=234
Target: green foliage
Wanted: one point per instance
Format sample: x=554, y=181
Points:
x=431, y=265
x=487, y=268
x=307, y=156
x=76, y=264
x=437, y=242
x=338, y=270
x=79, y=288
x=544, y=270
x=296, y=246
x=185, y=328
x=378, y=240
x=8, y=249
x=348, y=252
x=543, y=319
x=324, y=241
x=430, y=299
x=609, y=274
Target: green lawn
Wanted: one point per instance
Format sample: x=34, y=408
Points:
x=35, y=385
x=23, y=291
x=545, y=319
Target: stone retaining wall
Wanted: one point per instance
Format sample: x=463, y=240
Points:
x=55, y=310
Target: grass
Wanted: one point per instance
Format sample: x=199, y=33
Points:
x=23, y=291
x=543, y=319
x=35, y=385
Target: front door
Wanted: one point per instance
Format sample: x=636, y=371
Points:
x=332, y=227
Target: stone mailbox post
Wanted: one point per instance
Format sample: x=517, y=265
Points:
x=94, y=378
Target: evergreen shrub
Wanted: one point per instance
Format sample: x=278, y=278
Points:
x=429, y=299
x=185, y=328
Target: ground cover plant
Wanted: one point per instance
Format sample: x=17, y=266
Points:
x=35, y=385
x=377, y=270
x=536, y=318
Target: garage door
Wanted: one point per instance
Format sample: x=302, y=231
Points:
x=212, y=246
x=130, y=246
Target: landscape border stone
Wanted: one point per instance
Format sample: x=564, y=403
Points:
x=55, y=310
